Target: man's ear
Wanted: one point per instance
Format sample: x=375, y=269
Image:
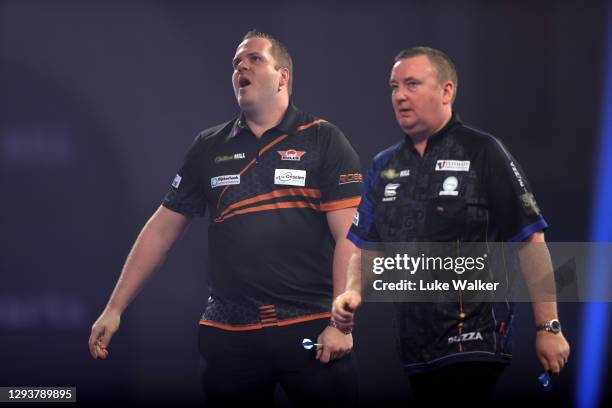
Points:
x=448, y=89
x=284, y=79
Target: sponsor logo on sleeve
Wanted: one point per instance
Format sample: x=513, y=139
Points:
x=453, y=165
x=449, y=186
x=177, y=181
x=290, y=177
x=356, y=219
x=529, y=204
x=350, y=178
x=291, y=154
x=227, y=180
x=517, y=175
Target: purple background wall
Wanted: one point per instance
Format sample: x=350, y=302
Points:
x=100, y=100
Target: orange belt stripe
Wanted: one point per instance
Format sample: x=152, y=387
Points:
x=256, y=326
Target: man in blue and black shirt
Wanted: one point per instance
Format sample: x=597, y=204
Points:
x=447, y=182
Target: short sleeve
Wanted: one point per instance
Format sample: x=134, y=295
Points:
x=186, y=193
x=510, y=196
x=363, y=230
x=341, y=180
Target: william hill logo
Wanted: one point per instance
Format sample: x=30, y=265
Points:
x=235, y=156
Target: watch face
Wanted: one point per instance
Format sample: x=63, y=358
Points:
x=555, y=326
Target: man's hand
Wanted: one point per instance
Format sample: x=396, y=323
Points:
x=101, y=333
x=552, y=351
x=333, y=344
x=344, y=307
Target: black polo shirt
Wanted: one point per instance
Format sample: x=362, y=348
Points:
x=270, y=247
x=466, y=188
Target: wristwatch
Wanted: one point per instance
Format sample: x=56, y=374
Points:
x=551, y=326
x=344, y=329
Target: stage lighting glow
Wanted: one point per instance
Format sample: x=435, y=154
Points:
x=592, y=355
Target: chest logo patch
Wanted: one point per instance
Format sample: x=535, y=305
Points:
x=227, y=180
x=291, y=154
x=449, y=186
x=453, y=165
x=389, y=174
x=290, y=177
x=390, y=192
x=229, y=157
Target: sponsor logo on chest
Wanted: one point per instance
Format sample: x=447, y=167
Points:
x=226, y=180
x=291, y=154
x=290, y=177
x=393, y=174
x=449, y=186
x=453, y=165
x=390, y=192
x=229, y=157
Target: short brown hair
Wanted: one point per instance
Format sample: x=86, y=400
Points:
x=440, y=61
x=280, y=53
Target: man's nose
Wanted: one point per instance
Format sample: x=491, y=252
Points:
x=399, y=95
x=242, y=66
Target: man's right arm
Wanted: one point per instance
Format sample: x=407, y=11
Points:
x=149, y=251
x=346, y=304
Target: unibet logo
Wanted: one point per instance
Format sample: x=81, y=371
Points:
x=390, y=190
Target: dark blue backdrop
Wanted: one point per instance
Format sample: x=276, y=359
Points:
x=100, y=100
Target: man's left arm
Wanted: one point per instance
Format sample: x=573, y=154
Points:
x=334, y=342
x=552, y=349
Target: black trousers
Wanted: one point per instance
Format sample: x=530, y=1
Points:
x=241, y=368
x=469, y=384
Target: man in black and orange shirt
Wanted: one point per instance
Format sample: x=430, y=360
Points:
x=281, y=187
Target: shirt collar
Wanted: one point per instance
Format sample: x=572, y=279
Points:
x=288, y=124
x=455, y=120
